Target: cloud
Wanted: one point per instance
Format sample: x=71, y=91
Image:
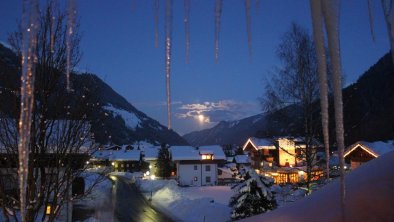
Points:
x=211, y=112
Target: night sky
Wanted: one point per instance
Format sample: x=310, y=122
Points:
x=118, y=46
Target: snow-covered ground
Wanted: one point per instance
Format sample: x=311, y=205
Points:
x=369, y=197
x=209, y=203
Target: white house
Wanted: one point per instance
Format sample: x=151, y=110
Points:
x=197, y=166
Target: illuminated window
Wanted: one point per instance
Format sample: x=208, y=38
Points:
x=48, y=209
x=207, y=156
x=195, y=178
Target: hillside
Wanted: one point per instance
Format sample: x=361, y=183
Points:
x=114, y=120
x=368, y=114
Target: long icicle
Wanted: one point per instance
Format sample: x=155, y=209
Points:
x=186, y=20
x=257, y=5
x=331, y=13
x=70, y=31
x=318, y=35
x=388, y=11
x=156, y=20
x=248, y=28
x=29, y=58
x=168, y=39
x=218, y=15
x=371, y=21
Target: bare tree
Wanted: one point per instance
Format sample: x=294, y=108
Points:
x=61, y=141
x=295, y=85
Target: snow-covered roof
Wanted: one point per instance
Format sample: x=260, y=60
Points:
x=184, y=153
x=260, y=143
x=376, y=148
x=151, y=153
x=241, y=159
x=192, y=153
x=119, y=155
x=216, y=150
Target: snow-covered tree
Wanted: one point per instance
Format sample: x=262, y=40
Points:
x=252, y=196
x=164, y=162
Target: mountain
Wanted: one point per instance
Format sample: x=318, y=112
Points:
x=114, y=120
x=368, y=114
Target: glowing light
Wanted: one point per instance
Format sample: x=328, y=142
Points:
x=201, y=118
x=152, y=177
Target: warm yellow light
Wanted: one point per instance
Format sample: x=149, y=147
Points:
x=201, y=118
x=48, y=210
x=113, y=163
x=152, y=177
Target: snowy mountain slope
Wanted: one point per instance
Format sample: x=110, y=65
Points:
x=369, y=197
x=368, y=114
x=236, y=132
x=115, y=120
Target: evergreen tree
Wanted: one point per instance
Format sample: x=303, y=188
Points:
x=164, y=162
x=252, y=196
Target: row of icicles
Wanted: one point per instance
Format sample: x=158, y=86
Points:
x=325, y=17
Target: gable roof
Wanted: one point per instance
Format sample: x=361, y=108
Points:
x=119, y=155
x=217, y=151
x=376, y=148
x=259, y=144
x=193, y=153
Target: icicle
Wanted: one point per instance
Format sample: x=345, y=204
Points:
x=248, y=28
x=257, y=5
x=29, y=58
x=186, y=20
x=70, y=30
x=388, y=11
x=318, y=35
x=331, y=19
x=218, y=14
x=156, y=18
x=52, y=33
x=370, y=15
x=168, y=39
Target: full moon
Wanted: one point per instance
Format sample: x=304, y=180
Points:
x=201, y=118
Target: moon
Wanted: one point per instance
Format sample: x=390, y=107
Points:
x=201, y=118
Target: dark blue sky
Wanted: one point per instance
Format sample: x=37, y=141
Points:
x=118, y=46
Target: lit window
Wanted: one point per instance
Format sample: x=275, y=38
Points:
x=207, y=156
x=48, y=210
x=195, y=178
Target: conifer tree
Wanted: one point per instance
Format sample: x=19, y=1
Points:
x=163, y=162
x=252, y=196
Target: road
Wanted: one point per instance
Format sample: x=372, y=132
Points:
x=130, y=205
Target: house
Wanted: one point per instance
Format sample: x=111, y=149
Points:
x=260, y=150
x=150, y=155
x=197, y=166
x=361, y=152
x=119, y=158
x=281, y=151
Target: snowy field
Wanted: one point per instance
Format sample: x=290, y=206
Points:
x=209, y=203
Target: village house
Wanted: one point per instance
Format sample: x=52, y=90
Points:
x=280, y=158
x=362, y=152
x=126, y=158
x=197, y=166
